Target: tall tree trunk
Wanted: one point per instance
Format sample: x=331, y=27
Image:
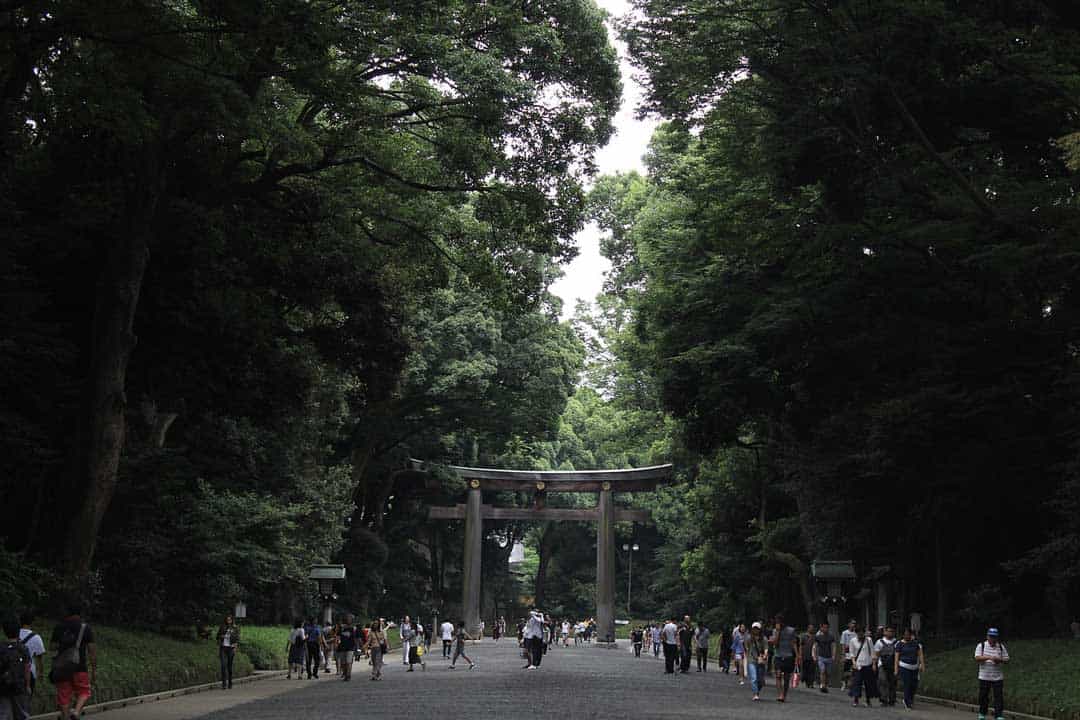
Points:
x=939, y=582
x=112, y=342
x=544, y=550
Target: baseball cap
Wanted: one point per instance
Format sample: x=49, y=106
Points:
x=992, y=632
x=756, y=625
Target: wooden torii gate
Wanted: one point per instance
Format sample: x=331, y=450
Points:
x=602, y=482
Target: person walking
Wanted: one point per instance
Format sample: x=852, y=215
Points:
x=785, y=644
x=314, y=638
x=701, y=645
x=376, y=647
x=35, y=646
x=228, y=640
x=686, y=645
x=909, y=662
x=534, y=639
x=348, y=637
x=991, y=656
x=636, y=638
x=738, y=651
x=757, y=655
x=884, y=657
x=296, y=648
x=460, y=636
x=74, y=679
x=845, y=644
x=446, y=632
x=861, y=648
x=669, y=637
x=15, y=674
x=824, y=653
x=654, y=638
x=806, y=643
x=406, y=632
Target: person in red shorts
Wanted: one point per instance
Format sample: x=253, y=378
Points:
x=74, y=632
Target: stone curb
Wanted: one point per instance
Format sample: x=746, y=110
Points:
x=163, y=695
x=957, y=705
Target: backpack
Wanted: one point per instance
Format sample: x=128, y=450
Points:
x=13, y=660
x=66, y=663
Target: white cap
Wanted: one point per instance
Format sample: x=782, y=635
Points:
x=756, y=625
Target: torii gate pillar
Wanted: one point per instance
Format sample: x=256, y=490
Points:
x=605, y=567
x=474, y=543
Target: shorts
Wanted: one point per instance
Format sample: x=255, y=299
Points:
x=784, y=664
x=824, y=664
x=738, y=657
x=78, y=685
x=344, y=657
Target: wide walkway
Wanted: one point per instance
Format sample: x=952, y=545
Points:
x=585, y=682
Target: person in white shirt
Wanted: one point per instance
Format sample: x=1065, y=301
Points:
x=845, y=643
x=534, y=639
x=669, y=635
x=34, y=645
x=884, y=650
x=861, y=649
x=991, y=656
x=446, y=632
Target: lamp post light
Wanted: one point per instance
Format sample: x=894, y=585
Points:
x=325, y=575
x=630, y=550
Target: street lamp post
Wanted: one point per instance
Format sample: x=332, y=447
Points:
x=630, y=550
x=325, y=575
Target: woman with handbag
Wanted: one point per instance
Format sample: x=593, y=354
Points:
x=376, y=647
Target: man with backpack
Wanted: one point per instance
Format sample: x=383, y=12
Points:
x=74, y=669
x=34, y=645
x=315, y=643
x=884, y=657
x=14, y=675
x=991, y=656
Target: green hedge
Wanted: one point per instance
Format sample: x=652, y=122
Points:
x=1040, y=679
x=138, y=663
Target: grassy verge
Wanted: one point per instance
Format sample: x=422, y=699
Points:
x=137, y=663
x=1040, y=678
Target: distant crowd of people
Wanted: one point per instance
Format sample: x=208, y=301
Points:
x=873, y=664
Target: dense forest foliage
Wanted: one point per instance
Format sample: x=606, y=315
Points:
x=260, y=253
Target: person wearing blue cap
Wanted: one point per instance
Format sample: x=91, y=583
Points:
x=991, y=656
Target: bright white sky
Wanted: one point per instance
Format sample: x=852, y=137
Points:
x=584, y=276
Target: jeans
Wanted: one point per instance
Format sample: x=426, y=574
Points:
x=226, y=655
x=670, y=651
x=756, y=671
x=637, y=649
x=809, y=672
x=887, y=683
x=703, y=659
x=656, y=649
x=910, y=678
x=998, y=687
x=684, y=659
x=446, y=644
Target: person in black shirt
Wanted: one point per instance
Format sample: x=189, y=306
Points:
x=15, y=697
x=73, y=632
x=346, y=646
x=686, y=645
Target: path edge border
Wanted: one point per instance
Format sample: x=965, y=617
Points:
x=163, y=695
x=957, y=705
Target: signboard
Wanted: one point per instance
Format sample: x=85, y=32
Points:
x=327, y=572
x=832, y=570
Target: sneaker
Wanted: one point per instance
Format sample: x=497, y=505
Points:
x=907, y=705
x=824, y=689
x=450, y=668
x=742, y=682
x=854, y=703
x=472, y=665
x=756, y=698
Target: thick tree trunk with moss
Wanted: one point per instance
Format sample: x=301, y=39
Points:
x=104, y=424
